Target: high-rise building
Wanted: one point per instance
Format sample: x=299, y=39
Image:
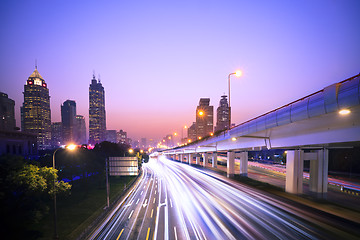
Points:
x=35, y=112
x=80, y=130
x=56, y=134
x=7, y=115
x=111, y=136
x=68, y=114
x=97, y=117
x=222, y=120
x=122, y=137
x=204, y=118
x=192, y=132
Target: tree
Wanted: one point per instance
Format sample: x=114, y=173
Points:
x=25, y=191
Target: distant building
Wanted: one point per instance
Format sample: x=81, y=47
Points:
x=122, y=137
x=143, y=143
x=222, y=121
x=97, y=116
x=7, y=115
x=204, y=118
x=168, y=140
x=35, y=112
x=151, y=143
x=135, y=144
x=56, y=134
x=192, y=131
x=111, y=136
x=18, y=143
x=68, y=114
x=80, y=130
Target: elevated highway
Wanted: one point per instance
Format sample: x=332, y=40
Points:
x=307, y=128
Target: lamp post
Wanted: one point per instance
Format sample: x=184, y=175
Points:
x=238, y=73
x=71, y=148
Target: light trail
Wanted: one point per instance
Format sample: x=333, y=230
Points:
x=197, y=204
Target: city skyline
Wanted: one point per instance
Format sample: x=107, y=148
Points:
x=161, y=56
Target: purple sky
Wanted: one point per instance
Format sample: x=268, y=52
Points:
x=156, y=59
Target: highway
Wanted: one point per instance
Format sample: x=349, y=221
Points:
x=172, y=200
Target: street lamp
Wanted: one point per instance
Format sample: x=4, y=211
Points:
x=238, y=73
x=70, y=147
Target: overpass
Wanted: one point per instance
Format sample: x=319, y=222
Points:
x=307, y=128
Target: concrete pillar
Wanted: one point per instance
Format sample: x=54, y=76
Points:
x=294, y=171
x=180, y=157
x=205, y=159
x=319, y=173
x=244, y=163
x=214, y=160
x=197, y=157
x=230, y=164
x=190, y=158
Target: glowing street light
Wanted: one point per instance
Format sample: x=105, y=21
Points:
x=131, y=151
x=238, y=73
x=211, y=134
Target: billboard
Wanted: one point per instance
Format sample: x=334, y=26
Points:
x=123, y=166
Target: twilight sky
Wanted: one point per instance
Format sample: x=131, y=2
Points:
x=156, y=59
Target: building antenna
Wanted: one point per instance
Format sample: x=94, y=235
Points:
x=99, y=78
x=93, y=73
x=35, y=63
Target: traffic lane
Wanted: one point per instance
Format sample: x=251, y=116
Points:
x=147, y=221
x=117, y=217
x=265, y=213
x=133, y=224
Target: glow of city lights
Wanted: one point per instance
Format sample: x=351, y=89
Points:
x=344, y=112
x=175, y=134
x=71, y=147
x=211, y=134
x=189, y=140
x=233, y=139
x=131, y=150
x=199, y=138
x=141, y=151
x=185, y=126
x=201, y=113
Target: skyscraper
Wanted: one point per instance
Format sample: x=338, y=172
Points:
x=56, y=134
x=204, y=118
x=68, y=114
x=222, y=121
x=7, y=115
x=35, y=112
x=80, y=130
x=97, y=118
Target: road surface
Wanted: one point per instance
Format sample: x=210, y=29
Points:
x=177, y=201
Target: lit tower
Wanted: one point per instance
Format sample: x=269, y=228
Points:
x=97, y=118
x=68, y=114
x=204, y=118
x=35, y=112
x=222, y=121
